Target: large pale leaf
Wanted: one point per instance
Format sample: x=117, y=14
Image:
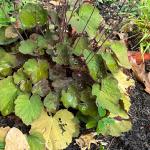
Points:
x=36, y=70
x=62, y=126
x=108, y=96
x=3, y=133
x=110, y=126
x=120, y=50
x=16, y=140
x=87, y=18
x=8, y=93
x=43, y=125
x=36, y=141
x=32, y=15
x=28, y=108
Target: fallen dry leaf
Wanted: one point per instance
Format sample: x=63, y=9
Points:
x=16, y=140
x=141, y=74
x=85, y=141
x=3, y=133
x=138, y=57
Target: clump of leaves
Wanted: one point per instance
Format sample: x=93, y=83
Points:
x=63, y=65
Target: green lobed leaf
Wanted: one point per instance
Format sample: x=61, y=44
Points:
x=32, y=15
x=8, y=93
x=51, y=102
x=62, y=54
x=36, y=141
x=28, y=108
x=80, y=45
x=91, y=122
x=87, y=104
x=110, y=126
x=95, y=65
x=110, y=62
x=35, y=45
x=41, y=42
x=27, y=47
x=101, y=111
x=7, y=62
x=120, y=50
x=36, y=69
x=20, y=78
x=70, y=97
x=88, y=18
x=108, y=96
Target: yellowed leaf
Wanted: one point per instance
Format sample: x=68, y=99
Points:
x=64, y=127
x=119, y=126
x=126, y=101
x=43, y=125
x=58, y=130
x=111, y=126
x=16, y=140
x=124, y=82
x=3, y=133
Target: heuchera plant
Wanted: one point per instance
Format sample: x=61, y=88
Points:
x=56, y=58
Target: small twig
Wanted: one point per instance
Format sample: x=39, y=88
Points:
x=72, y=11
x=111, y=143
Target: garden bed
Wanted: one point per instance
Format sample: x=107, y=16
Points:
x=60, y=73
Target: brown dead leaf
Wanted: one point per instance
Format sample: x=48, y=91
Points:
x=11, y=32
x=141, y=74
x=86, y=140
x=16, y=140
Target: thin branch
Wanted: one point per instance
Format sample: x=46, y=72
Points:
x=102, y=43
x=85, y=25
x=108, y=35
x=72, y=11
